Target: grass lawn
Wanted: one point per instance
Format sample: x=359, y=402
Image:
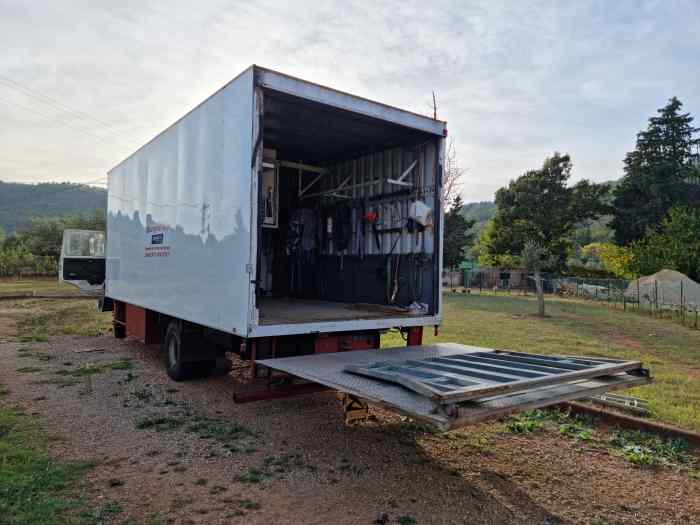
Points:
x=43, y=285
x=34, y=320
x=33, y=488
x=575, y=327
x=62, y=317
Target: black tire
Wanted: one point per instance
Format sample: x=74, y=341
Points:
x=172, y=344
x=203, y=368
x=175, y=345
x=119, y=331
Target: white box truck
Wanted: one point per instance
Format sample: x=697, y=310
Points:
x=293, y=224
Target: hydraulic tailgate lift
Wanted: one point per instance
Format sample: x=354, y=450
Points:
x=450, y=385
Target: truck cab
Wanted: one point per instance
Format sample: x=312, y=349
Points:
x=82, y=261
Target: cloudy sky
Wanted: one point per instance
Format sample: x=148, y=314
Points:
x=82, y=84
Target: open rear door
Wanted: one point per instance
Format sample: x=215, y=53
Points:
x=450, y=385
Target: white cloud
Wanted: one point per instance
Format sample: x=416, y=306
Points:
x=514, y=81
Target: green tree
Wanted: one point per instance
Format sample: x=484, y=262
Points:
x=12, y=241
x=675, y=246
x=94, y=221
x=17, y=260
x=614, y=259
x=486, y=252
x=661, y=172
x=535, y=258
x=36, y=250
x=457, y=235
x=45, y=234
x=539, y=206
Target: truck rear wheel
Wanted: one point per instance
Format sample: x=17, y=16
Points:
x=176, y=346
x=119, y=331
x=177, y=369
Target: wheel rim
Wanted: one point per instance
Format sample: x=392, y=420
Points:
x=172, y=351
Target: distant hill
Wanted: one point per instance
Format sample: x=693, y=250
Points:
x=18, y=201
x=481, y=213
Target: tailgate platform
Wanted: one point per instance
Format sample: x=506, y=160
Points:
x=450, y=385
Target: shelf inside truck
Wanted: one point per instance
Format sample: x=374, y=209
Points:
x=333, y=371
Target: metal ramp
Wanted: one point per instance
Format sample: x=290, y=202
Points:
x=450, y=385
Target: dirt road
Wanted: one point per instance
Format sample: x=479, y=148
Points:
x=185, y=453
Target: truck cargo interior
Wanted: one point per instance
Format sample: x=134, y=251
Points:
x=346, y=216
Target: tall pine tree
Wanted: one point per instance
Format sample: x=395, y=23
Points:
x=660, y=173
x=457, y=235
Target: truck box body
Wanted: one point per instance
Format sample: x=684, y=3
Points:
x=291, y=224
x=201, y=220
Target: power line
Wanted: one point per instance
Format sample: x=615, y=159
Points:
x=57, y=105
x=66, y=124
x=50, y=101
x=27, y=108
x=51, y=118
x=81, y=116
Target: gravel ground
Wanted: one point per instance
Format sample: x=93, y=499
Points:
x=185, y=453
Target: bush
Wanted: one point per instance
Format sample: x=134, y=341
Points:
x=645, y=449
x=676, y=246
x=36, y=251
x=527, y=422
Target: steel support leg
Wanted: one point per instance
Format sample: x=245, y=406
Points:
x=415, y=336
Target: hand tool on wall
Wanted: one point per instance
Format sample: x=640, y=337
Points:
x=360, y=229
x=371, y=218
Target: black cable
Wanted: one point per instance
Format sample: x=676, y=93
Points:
x=50, y=118
x=54, y=103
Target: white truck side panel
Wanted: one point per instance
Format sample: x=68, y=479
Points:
x=179, y=215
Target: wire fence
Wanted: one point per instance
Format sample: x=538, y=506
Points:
x=668, y=298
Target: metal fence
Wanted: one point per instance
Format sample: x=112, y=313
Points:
x=671, y=299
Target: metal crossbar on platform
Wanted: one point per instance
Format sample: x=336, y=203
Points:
x=472, y=375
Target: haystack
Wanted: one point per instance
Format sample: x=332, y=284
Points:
x=665, y=288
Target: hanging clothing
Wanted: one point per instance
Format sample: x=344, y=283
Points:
x=343, y=227
x=302, y=237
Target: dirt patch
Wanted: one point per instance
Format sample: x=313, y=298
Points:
x=627, y=342
x=552, y=479
x=8, y=327
x=11, y=313
x=185, y=453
